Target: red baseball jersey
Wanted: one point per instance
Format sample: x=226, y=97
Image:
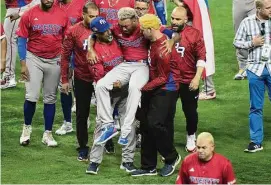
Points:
x=16, y=3
x=74, y=10
x=216, y=171
x=45, y=30
x=164, y=73
x=109, y=8
x=109, y=56
x=190, y=49
x=76, y=41
x=134, y=47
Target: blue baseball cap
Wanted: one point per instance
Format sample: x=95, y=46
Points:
x=100, y=25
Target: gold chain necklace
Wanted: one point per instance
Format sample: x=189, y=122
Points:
x=110, y=2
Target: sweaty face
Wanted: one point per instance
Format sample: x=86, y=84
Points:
x=265, y=11
x=88, y=17
x=141, y=8
x=128, y=26
x=46, y=4
x=106, y=37
x=205, y=149
x=178, y=21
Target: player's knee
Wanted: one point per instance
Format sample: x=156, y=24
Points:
x=32, y=97
x=49, y=99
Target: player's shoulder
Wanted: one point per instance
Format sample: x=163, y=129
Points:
x=191, y=30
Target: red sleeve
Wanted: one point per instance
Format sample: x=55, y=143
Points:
x=182, y=176
x=67, y=25
x=199, y=47
x=163, y=68
x=24, y=26
x=66, y=51
x=228, y=174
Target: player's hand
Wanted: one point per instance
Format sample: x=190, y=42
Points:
x=167, y=46
x=258, y=41
x=13, y=16
x=194, y=84
x=117, y=85
x=65, y=88
x=92, y=57
x=3, y=65
x=24, y=71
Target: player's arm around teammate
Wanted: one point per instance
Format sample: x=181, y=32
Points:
x=40, y=34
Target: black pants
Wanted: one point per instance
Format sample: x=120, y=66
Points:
x=189, y=101
x=157, y=127
x=83, y=95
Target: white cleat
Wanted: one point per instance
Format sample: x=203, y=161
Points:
x=65, y=128
x=190, y=143
x=48, y=139
x=25, y=137
x=5, y=84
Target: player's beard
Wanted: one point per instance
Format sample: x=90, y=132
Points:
x=177, y=28
x=47, y=6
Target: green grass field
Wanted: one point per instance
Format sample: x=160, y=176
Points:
x=226, y=117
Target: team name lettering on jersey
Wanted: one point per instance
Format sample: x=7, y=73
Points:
x=180, y=49
x=136, y=43
x=114, y=62
x=48, y=29
x=73, y=20
x=111, y=14
x=203, y=180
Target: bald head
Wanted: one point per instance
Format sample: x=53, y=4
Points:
x=181, y=11
x=178, y=18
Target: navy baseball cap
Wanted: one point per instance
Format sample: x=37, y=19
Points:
x=100, y=25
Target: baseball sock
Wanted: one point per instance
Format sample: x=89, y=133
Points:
x=66, y=103
x=29, y=111
x=49, y=115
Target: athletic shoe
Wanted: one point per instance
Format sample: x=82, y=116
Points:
x=74, y=108
x=169, y=169
x=128, y=167
x=107, y=133
x=65, y=128
x=205, y=96
x=8, y=83
x=93, y=168
x=48, y=139
x=190, y=143
x=109, y=147
x=25, y=137
x=241, y=75
x=252, y=148
x=141, y=172
x=123, y=141
x=83, y=155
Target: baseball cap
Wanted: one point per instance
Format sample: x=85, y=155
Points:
x=99, y=24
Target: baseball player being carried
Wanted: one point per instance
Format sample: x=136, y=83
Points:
x=41, y=31
x=110, y=56
x=133, y=71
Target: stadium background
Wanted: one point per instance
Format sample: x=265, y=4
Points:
x=226, y=118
